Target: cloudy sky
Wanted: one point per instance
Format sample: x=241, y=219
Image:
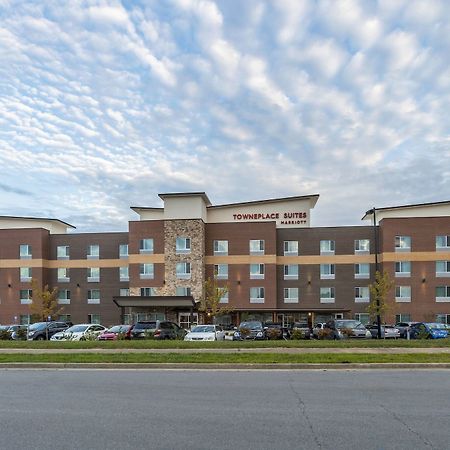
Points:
x=105, y=104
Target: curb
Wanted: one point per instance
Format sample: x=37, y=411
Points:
x=196, y=366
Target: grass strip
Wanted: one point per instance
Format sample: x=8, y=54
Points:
x=142, y=344
x=217, y=358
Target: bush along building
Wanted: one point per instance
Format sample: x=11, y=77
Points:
x=275, y=265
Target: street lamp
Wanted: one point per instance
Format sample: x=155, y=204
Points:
x=375, y=235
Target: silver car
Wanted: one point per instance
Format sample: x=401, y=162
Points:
x=387, y=331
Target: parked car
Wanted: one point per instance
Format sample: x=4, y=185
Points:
x=318, y=327
x=80, y=332
x=273, y=330
x=11, y=331
x=387, y=331
x=403, y=327
x=343, y=328
x=303, y=328
x=45, y=330
x=157, y=330
x=255, y=328
x=112, y=334
x=428, y=330
x=205, y=333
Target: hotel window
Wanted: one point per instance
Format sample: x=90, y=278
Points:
x=183, y=245
x=63, y=275
x=94, y=319
x=402, y=318
x=125, y=292
x=183, y=291
x=327, y=295
x=128, y=319
x=402, y=294
x=362, y=294
x=443, y=293
x=256, y=271
x=123, y=273
x=25, y=296
x=221, y=271
x=184, y=271
x=93, y=296
x=65, y=318
x=146, y=246
x=123, y=251
x=224, y=298
x=402, y=243
x=443, y=318
x=25, y=251
x=362, y=246
x=64, y=297
x=25, y=274
x=25, y=319
x=93, y=252
x=327, y=247
x=148, y=292
x=256, y=247
x=327, y=271
x=442, y=243
x=257, y=295
x=363, y=318
x=290, y=248
x=93, y=274
x=362, y=271
x=146, y=271
x=220, y=247
x=402, y=269
x=291, y=271
x=443, y=268
x=290, y=295
x=62, y=252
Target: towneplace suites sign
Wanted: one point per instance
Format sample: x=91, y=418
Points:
x=284, y=218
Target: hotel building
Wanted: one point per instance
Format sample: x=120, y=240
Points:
x=275, y=265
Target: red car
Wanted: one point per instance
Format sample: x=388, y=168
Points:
x=112, y=333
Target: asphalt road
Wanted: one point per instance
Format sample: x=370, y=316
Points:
x=152, y=409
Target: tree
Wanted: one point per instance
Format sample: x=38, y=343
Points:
x=210, y=304
x=379, y=290
x=44, y=303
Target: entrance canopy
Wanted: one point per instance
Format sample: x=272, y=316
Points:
x=134, y=301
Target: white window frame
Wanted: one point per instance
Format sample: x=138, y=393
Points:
x=62, y=275
x=257, y=295
x=327, y=247
x=445, y=247
x=405, y=317
x=182, y=245
x=93, y=274
x=290, y=295
x=224, y=299
x=443, y=273
x=288, y=276
x=64, y=299
x=364, y=318
x=146, y=246
x=25, y=251
x=443, y=299
x=221, y=271
x=443, y=318
x=93, y=251
x=90, y=299
x=359, y=273
x=402, y=294
x=94, y=319
x=183, y=291
x=256, y=246
x=62, y=252
x=402, y=243
x=26, y=296
x=146, y=271
x=362, y=246
x=257, y=271
x=290, y=248
x=183, y=270
x=400, y=269
x=327, y=271
x=327, y=298
x=362, y=294
x=122, y=248
x=26, y=274
x=124, y=273
x=220, y=247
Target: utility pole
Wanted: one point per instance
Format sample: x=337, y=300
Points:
x=377, y=269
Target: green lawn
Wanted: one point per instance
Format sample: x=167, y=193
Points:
x=215, y=358
x=348, y=343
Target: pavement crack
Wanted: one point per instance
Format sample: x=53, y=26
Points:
x=303, y=410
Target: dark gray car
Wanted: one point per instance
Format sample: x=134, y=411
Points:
x=41, y=331
x=157, y=330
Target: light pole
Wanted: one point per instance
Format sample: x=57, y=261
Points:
x=377, y=299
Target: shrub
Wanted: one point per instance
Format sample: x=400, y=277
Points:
x=298, y=334
x=5, y=335
x=422, y=334
x=121, y=336
x=346, y=332
x=21, y=334
x=245, y=332
x=326, y=333
x=273, y=333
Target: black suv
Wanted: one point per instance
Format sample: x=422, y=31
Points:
x=40, y=331
x=254, y=330
x=157, y=330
